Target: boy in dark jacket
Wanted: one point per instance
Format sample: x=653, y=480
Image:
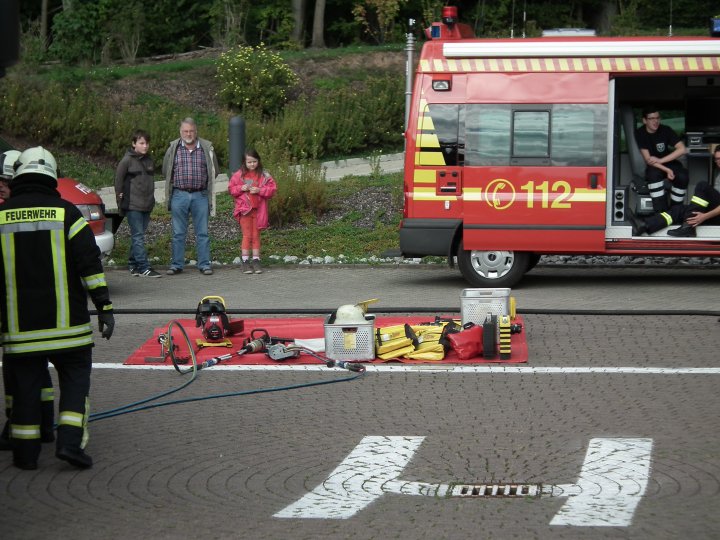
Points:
x=135, y=194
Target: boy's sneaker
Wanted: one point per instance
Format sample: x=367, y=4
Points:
x=246, y=268
x=257, y=268
x=173, y=271
x=149, y=273
x=134, y=272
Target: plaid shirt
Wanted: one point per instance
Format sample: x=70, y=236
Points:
x=190, y=168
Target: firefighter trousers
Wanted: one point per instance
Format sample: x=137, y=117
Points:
x=704, y=199
x=47, y=423
x=656, y=185
x=26, y=376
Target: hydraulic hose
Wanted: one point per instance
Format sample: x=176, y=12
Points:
x=194, y=367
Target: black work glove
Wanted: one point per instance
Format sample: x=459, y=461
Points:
x=106, y=323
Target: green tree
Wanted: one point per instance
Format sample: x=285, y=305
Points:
x=378, y=17
x=228, y=22
x=173, y=26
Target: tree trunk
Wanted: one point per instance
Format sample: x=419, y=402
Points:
x=318, y=34
x=298, y=12
x=603, y=20
x=44, y=24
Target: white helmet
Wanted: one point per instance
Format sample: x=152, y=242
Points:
x=36, y=160
x=7, y=160
x=350, y=314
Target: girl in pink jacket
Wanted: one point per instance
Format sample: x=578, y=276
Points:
x=251, y=186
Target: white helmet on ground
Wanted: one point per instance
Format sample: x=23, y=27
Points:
x=7, y=161
x=36, y=160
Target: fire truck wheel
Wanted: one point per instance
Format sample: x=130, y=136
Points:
x=492, y=268
x=534, y=258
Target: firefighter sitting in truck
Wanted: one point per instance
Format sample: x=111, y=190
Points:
x=655, y=141
x=704, y=207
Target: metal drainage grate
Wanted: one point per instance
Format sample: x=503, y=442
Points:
x=496, y=490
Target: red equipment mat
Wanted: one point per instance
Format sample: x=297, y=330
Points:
x=298, y=328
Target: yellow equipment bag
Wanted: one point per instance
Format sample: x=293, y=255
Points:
x=430, y=350
x=397, y=353
x=389, y=333
x=393, y=345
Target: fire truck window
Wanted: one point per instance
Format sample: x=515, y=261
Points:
x=531, y=134
x=487, y=135
x=579, y=135
x=445, y=123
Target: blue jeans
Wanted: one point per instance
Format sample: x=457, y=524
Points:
x=138, y=222
x=183, y=203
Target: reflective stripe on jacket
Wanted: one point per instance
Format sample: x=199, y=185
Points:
x=50, y=262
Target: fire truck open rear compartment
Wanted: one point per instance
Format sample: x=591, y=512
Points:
x=518, y=148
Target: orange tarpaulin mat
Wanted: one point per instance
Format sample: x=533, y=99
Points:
x=295, y=328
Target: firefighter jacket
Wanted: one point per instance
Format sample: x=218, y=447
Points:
x=49, y=260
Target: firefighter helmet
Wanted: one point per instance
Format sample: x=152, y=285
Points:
x=36, y=160
x=7, y=161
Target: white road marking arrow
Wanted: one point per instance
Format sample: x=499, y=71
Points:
x=358, y=480
x=611, y=483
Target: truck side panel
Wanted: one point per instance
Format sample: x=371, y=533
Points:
x=491, y=155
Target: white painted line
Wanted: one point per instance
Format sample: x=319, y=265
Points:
x=358, y=480
x=425, y=368
x=612, y=481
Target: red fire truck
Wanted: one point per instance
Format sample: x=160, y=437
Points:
x=521, y=147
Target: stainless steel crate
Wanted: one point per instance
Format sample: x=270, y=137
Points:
x=350, y=341
x=475, y=304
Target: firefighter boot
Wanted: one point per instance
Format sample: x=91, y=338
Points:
x=684, y=231
x=639, y=227
x=74, y=456
x=26, y=453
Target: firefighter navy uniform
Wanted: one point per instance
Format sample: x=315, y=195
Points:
x=704, y=199
x=47, y=406
x=49, y=262
x=47, y=429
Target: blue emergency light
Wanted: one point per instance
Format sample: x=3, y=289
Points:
x=715, y=26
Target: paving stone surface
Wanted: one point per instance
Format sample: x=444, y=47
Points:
x=223, y=467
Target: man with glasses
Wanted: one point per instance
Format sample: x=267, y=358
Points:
x=660, y=147
x=704, y=207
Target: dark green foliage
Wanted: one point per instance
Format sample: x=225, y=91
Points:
x=301, y=197
x=173, y=26
x=77, y=33
x=342, y=121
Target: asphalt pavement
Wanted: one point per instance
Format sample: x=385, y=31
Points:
x=611, y=426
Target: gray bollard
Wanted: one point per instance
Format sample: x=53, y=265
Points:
x=237, y=143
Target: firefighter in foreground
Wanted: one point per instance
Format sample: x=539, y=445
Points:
x=47, y=431
x=48, y=259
